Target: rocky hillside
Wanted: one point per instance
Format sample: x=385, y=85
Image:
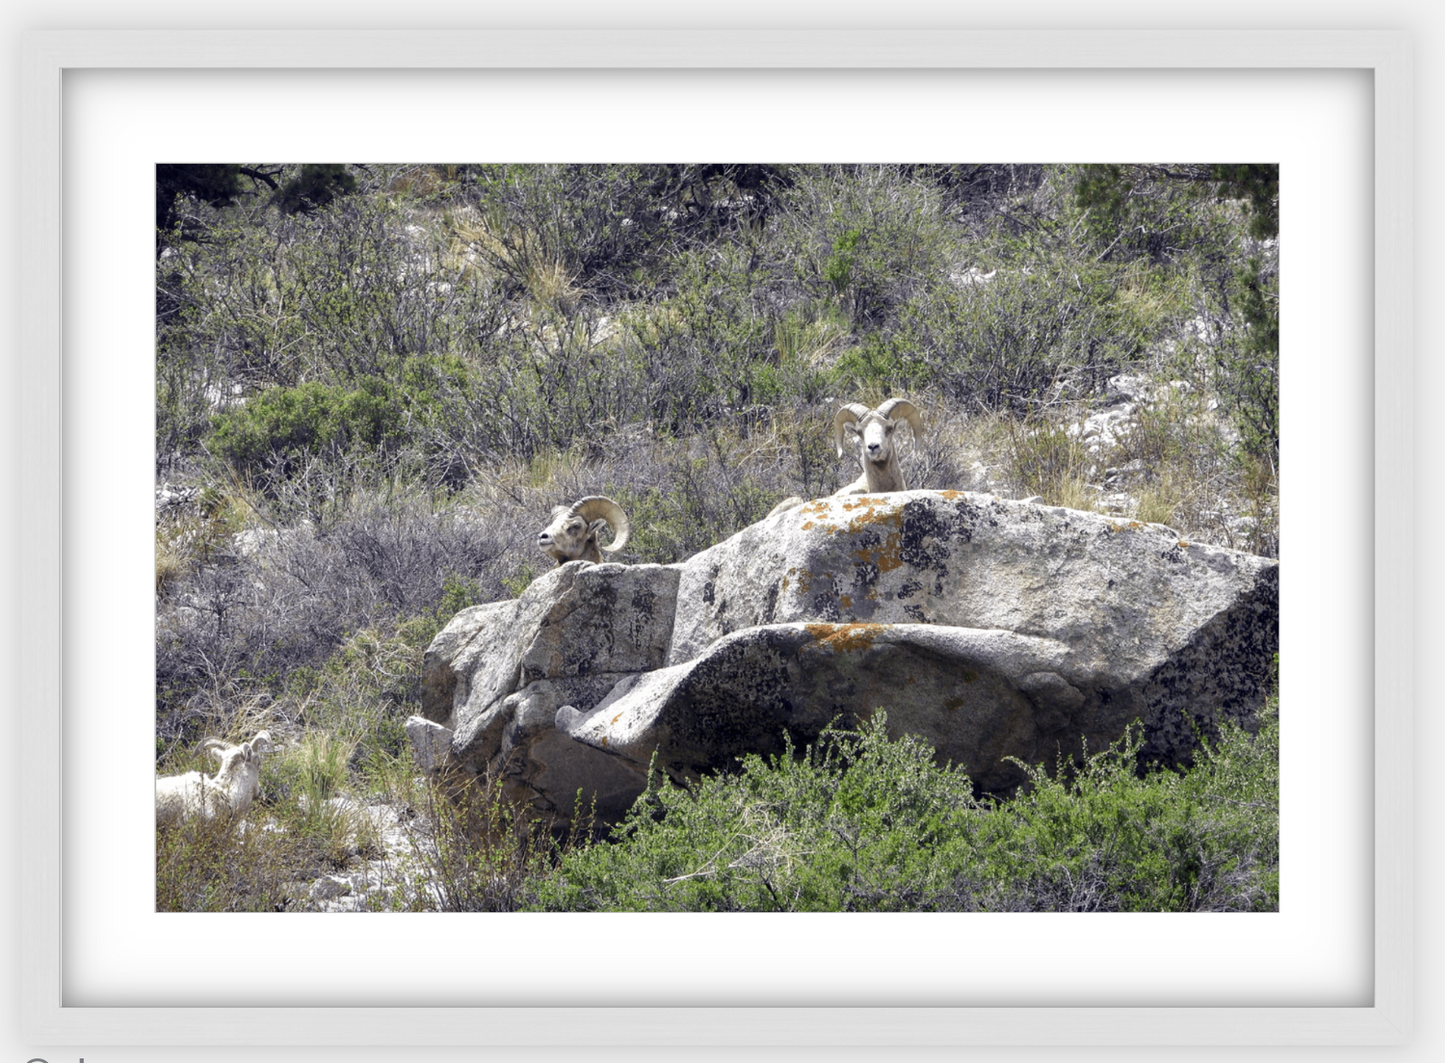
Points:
x=375, y=382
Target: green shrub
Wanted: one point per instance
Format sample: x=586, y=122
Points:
x=1101, y=838
x=869, y=237
x=850, y=825
x=860, y=822
x=283, y=427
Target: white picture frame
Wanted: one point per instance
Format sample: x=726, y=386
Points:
x=48, y=55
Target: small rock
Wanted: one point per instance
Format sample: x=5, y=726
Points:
x=329, y=888
x=431, y=743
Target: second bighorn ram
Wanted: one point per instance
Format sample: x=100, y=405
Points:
x=229, y=792
x=874, y=429
x=572, y=534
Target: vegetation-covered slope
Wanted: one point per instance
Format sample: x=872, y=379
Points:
x=374, y=382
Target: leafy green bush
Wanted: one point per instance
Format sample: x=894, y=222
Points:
x=860, y=822
x=850, y=825
x=1104, y=839
x=281, y=427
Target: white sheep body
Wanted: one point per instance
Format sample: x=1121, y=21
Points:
x=874, y=430
x=229, y=792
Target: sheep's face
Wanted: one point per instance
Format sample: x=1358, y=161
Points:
x=875, y=433
x=231, y=758
x=569, y=536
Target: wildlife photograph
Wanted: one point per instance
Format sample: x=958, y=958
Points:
x=717, y=537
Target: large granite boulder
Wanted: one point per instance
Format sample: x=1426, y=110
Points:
x=975, y=695
x=498, y=673
x=993, y=629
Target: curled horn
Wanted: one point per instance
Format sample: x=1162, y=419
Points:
x=905, y=409
x=846, y=415
x=600, y=507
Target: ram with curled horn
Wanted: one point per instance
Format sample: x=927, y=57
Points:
x=874, y=430
x=572, y=532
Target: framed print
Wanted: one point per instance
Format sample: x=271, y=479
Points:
x=1332, y=966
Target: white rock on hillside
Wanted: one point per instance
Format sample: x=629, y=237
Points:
x=992, y=628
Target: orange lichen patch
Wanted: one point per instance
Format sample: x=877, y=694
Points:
x=884, y=556
x=868, y=509
x=617, y=717
x=846, y=601
x=951, y=495
x=845, y=638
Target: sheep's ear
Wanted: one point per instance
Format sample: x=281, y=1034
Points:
x=219, y=753
x=852, y=428
x=596, y=526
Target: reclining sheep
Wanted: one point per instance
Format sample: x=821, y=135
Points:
x=572, y=533
x=874, y=430
x=227, y=793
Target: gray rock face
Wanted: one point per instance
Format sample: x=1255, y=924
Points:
x=993, y=629
x=498, y=674
x=431, y=743
x=961, y=689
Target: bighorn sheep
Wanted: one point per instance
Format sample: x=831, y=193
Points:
x=572, y=534
x=229, y=792
x=874, y=429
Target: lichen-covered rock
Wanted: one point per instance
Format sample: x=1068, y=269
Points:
x=1098, y=584
x=1178, y=634
x=993, y=629
x=498, y=673
x=976, y=696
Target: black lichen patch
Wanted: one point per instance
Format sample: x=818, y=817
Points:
x=733, y=703
x=924, y=541
x=825, y=607
x=644, y=600
x=770, y=604
x=1247, y=636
